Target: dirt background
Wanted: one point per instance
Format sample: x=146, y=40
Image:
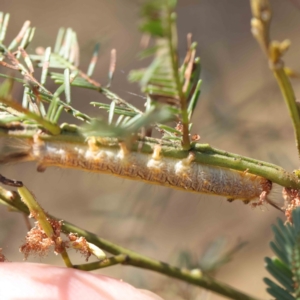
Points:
x=241, y=110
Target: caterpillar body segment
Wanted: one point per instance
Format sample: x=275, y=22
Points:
x=183, y=174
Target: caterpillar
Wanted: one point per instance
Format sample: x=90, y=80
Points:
x=184, y=174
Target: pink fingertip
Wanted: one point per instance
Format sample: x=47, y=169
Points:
x=38, y=281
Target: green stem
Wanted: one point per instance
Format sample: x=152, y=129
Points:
x=290, y=100
x=51, y=127
x=111, y=261
x=65, y=256
x=204, y=154
x=94, y=85
x=36, y=211
x=129, y=257
x=274, y=50
x=195, y=277
x=174, y=58
x=114, y=97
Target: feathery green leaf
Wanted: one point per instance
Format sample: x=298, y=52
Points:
x=286, y=267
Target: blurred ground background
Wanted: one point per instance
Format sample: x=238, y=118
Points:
x=241, y=111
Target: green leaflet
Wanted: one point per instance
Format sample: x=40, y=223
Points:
x=285, y=268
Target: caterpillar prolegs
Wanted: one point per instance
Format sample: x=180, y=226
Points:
x=184, y=174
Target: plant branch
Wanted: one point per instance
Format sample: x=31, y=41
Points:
x=85, y=82
x=204, y=153
x=129, y=257
x=51, y=127
x=38, y=213
x=107, y=262
x=290, y=100
x=274, y=51
x=175, y=66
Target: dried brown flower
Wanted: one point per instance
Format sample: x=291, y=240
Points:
x=2, y=257
x=80, y=244
x=195, y=137
x=38, y=243
x=179, y=127
x=291, y=201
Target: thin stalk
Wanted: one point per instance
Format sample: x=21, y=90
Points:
x=65, y=256
x=96, y=85
x=108, y=262
x=51, y=127
x=38, y=213
x=290, y=100
x=183, y=103
x=204, y=154
x=129, y=257
x=48, y=97
x=260, y=25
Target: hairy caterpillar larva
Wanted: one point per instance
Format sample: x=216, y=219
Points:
x=184, y=174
